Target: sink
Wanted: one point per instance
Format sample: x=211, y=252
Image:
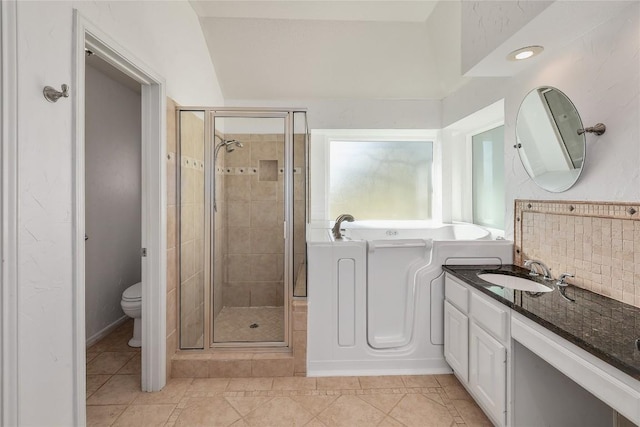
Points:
x=514, y=282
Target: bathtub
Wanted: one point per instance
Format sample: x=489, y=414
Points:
x=383, y=230
x=375, y=299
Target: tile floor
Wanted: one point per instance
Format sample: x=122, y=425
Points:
x=233, y=324
x=114, y=397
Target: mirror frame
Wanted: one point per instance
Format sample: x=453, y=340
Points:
x=519, y=146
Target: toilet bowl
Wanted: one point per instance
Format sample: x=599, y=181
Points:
x=132, y=306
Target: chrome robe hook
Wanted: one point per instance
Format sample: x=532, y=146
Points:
x=52, y=95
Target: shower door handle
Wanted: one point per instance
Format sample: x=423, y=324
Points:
x=284, y=230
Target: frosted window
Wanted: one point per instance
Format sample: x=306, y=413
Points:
x=488, y=178
x=381, y=179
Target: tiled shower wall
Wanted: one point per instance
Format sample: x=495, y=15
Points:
x=253, y=273
x=254, y=197
x=598, y=242
x=172, y=236
x=191, y=230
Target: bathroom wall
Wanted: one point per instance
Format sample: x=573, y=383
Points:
x=599, y=243
x=600, y=72
x=192, y=225
x=164, y=35
x=113, y=198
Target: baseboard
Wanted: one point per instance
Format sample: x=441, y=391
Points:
x=106, y=331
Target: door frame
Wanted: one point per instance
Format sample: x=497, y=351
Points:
x=154, y=234
x=9, y=213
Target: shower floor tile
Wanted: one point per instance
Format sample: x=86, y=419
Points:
x=234, y=324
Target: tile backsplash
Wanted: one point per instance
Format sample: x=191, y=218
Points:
x=599, y=242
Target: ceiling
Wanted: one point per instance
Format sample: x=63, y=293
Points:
x=333, y=49
x=385, y=49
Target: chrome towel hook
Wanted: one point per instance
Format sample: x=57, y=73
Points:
x=52, y=95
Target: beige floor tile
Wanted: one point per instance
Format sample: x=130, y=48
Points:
x=351, y=411
x=94, y=382
x=436, y=397
x=144, y=415
x=133, y=366
x=390, y=422
x=279, y=412
x=103, y=415
x=315, y=423
x=171, y=393
x=420, y=381
x=211, y=387
x=471, y=413
x=384, y=402
x=91, y=355
x=108, y=362
x=315, y=404
x=240, y=423
x=457, y=392
x=381, y=382
x=119, y=390
x=294, y=383
x=250, y=384
x=234, y=324
x=338, y=383
x=416, y=410
x=122, y=345
x=445, y=380
x=207, y=411
x=244, y=405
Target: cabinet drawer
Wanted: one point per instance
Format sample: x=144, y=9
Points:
x=457, y=294
x=492, y=316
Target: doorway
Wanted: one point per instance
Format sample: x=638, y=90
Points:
x=113, y=223
x=152, y=240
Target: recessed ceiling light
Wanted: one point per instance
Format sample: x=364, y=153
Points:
x=524, y=53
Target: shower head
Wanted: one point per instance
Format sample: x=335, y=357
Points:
x=228, y=144
x=231, y=145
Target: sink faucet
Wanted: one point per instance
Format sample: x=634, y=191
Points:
x=532, y=263
x=337, y=234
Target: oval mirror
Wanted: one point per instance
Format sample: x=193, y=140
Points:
x=547, y=139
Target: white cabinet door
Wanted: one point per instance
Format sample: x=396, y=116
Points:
x=488, y=373
x=456, y=340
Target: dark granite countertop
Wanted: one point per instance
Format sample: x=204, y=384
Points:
x=604, y=327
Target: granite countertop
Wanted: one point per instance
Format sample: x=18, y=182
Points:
x=604, y=327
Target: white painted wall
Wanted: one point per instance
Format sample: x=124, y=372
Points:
x=600, y=73
x=164, y=35
x=359, y=113
x=113, y=197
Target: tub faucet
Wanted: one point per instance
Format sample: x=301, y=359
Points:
x=337, y=233
x=532, y=263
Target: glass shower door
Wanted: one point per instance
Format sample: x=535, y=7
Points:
x=250, y=252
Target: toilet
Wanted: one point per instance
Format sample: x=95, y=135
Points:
x=132, y=306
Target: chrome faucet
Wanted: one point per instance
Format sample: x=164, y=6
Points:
x=337, y=233
x=543, y=269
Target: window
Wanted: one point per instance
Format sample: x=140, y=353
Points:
x=488, y=178
x=381, y=179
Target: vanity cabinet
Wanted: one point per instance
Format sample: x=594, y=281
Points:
x=488, y=371
x=475, y=346
x=456, y=340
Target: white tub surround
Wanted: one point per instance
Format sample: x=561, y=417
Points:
x=376, y=306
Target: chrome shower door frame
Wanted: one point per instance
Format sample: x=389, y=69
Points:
x=210, y=184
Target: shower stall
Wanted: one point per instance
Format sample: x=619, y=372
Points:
x=242, y=185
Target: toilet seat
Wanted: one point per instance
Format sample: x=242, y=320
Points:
x=133, y=293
